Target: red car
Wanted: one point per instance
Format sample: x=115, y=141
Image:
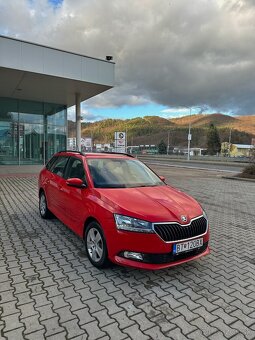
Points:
x=124, y=212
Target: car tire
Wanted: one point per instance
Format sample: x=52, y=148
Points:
x=43, y=206
x=95, y=245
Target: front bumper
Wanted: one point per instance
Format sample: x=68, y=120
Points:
x=161, y=261
x=157, y=253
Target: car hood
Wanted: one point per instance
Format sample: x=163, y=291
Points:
x=154, y=204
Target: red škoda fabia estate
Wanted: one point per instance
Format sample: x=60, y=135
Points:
x=124, y=212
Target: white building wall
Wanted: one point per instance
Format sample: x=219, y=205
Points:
x=30, y=57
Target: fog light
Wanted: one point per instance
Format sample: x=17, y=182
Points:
x=133, y=255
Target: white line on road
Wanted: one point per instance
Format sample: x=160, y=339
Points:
x=191, y=167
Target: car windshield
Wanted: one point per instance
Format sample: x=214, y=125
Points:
x=121, y=173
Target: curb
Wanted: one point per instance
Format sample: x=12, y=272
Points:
x=239, y=178
x=215, y=162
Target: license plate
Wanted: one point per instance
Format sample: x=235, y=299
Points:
x=186, y=246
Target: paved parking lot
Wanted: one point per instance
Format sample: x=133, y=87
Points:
x=49, y=290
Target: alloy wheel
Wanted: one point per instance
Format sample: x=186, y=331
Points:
x=95, y=245
x=43, y=205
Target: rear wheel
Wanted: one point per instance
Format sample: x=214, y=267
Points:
x=95, y=245
x=43, y=207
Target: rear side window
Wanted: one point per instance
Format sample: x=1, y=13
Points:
x=59, y=165
x=50, y=163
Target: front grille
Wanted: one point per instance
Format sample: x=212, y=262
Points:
x=176, y=232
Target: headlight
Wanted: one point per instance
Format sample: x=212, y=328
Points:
x=132, y=224
x=204, y=214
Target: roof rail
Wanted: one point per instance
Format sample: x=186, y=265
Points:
x=74, y=151
x=105, y=152
x=117, y=153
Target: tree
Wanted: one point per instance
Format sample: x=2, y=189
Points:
x=252, y=155
x=162, y=148
x=225, y=149
x=249, y=170
x=213, y=141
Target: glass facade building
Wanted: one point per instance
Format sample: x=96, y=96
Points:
x=38, y=84
x=31, y=132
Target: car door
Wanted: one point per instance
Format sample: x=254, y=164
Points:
x=76, y=197
x=55, y=188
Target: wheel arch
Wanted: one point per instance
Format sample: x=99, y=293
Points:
x=40, y=191
x=87, y=222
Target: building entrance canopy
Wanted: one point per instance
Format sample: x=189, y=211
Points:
x=34, y=72
x=37, y=85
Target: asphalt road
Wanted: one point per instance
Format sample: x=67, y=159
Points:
x=212, y=166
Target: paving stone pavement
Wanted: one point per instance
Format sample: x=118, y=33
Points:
x=49, y=289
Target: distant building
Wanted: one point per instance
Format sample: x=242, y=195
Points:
x=193, y=151
x=143, y=149
x=236, y=150
x=71, y=143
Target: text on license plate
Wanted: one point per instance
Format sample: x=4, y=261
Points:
x=186, y=246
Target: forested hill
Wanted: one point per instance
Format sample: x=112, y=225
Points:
x=153, y=129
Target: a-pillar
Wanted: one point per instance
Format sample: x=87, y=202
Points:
x=78, y=120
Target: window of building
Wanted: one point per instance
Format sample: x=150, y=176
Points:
x=31, y=132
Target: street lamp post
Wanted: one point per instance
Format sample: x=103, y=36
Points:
x=229, y=141
x=168, y=137
x=189, y=134
x=202, y=108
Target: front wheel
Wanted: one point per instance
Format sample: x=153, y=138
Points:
x=43, y=207
x=95, y=245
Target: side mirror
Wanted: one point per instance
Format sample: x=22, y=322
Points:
x=76, y=182
x=163, y=179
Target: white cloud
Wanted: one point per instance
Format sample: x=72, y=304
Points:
x=120, y=95
x=86, y=115
x=175, y=110
x=176, y=53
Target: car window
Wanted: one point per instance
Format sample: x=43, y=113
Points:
x=58, y=167
x=121, y=173
x=75, y=169
x=50, y=163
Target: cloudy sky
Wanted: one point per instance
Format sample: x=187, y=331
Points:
x=169, y=54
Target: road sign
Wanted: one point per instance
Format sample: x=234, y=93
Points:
x=120, y=141
x=86, y=142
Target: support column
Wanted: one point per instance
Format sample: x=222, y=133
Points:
x=78, y=120
x=45, y=138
